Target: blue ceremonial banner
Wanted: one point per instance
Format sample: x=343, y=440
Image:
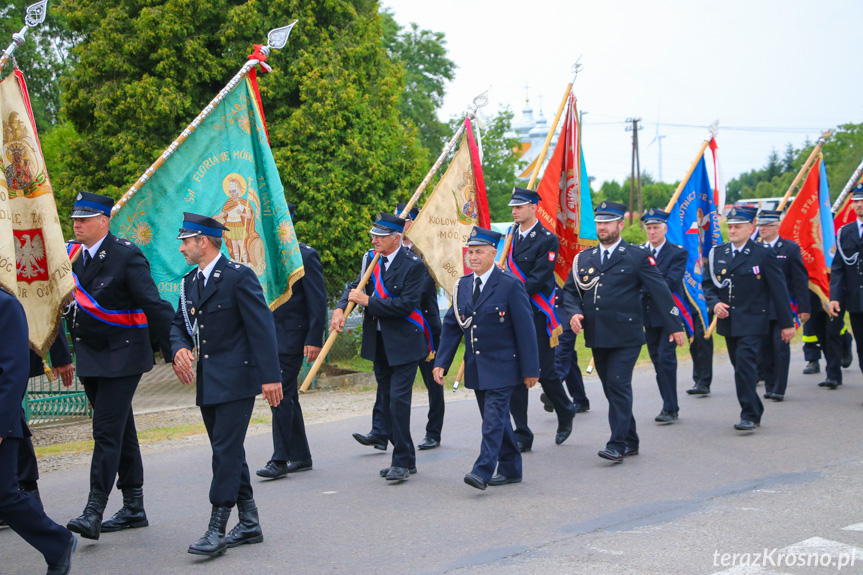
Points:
x=828, y=235
x=694, y=224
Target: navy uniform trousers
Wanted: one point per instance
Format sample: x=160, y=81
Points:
x=550, y=382
x=395, y=387
x=436, y=405
x=226, y=425
x=776, y=359
x=744, y=352
x=115, y=440
x=288, y=415
x=701, y=352
x=566, y=365
x=614, y=366
x=23, y=513
x=663, y=354
x=498, y=448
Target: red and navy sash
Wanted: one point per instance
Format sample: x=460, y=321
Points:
x=119, y=318
x=794, y=313
x=683, y=308
x=542, y=303
x=415, y=317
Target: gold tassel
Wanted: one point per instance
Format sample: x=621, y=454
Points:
x=553, y=341
x=49, y=373
x=430, y=356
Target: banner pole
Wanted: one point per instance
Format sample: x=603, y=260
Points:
x=805, y=169
x=852, y=181
x=370, y=269
x=34, y=16
x=276, y=40
x=688, y=175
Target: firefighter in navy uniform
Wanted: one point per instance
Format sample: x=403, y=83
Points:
x=743, y=282
x=300, y=325
x=671, y=262
x=776, y=355
x=21, y=510
x=492, y=312
x=112, y=351
x=396, y=336
x=531, y=258
x=377, y=436
x=603, y=298
x=846, y=281
x=222, y=315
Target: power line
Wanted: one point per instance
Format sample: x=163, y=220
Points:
x=759, y=129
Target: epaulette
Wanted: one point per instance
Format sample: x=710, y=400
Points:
x=122, y=242
x=548, y=233
x=414, y=257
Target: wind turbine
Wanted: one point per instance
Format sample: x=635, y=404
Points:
x=658, y=138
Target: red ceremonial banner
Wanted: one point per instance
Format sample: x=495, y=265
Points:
x=802, y=224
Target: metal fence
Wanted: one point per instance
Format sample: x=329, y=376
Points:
x=49, y=402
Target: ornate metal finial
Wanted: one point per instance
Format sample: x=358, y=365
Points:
x=825, y=135
x=36, y=13
x=277, y=38
x=576, y=68
x=713, y=128
x=478, y=102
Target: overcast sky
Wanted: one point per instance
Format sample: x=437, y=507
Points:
x=772, y=72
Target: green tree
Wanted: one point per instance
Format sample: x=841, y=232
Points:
x=423, y=55
x=42, y=58
x=145, y=69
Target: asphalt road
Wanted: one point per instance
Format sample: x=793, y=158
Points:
x=698, y=493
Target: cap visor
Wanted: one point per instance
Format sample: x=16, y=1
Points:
x=517, y=202
x=86, y=214
x=187, y=234
x=604, y=218
x=376, y=231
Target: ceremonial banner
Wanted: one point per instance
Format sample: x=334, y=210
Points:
x=808, y=222
x=718, y=178
x=565, y=206
x=694, y=224
x=224, y=170
x=457, y=203
x=845, y=215
x=33, y=261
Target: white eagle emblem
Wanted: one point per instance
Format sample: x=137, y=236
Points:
x=29, y=253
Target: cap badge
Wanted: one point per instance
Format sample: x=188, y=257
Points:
x=79, y=197
x=603, y=205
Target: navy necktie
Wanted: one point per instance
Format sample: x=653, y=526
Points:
x=476, y=290
x=605, y=255
x=86, y=258
x=200, y=284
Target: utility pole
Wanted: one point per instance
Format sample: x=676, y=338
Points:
x=636, y=166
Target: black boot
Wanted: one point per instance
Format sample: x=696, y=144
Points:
x=212, y=544
x=248, y=530
x=131, y=515
x=89, y=524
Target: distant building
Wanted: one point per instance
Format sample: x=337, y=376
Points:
x=531, y=133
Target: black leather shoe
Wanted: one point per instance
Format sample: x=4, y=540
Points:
x=371, y=440
x=777, y=397
x=273, y=470
x=499, y=479
x=248, y=530
x=131, y=515
x=846, y=357
x=564, y=431
x=746, y=425
x=768, y=395
x=64, y=566
x=611, y=455
x=829, y=383
x=89, y=524
x=814, y=367
x=582, y=407
x=386, y=470
x=301, y=465
x=398, y=473
x=630, y=451
x=213, y=544
x=428, y=443
x=475, y=480
x=698, y=390
x=522, y=447
x=665, y=417
x=546, y=404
